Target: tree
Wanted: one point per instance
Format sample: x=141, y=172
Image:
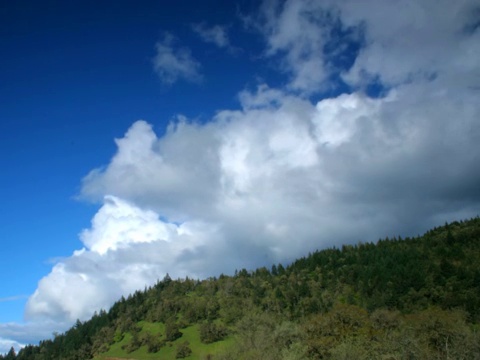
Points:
x=183, y=350
x=11, y=355
x=172, y=330
x=134, y=343
x=211, y=332
x=153, y=342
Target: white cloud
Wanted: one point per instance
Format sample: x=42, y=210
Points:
x=336, y=121
x=19, y=335
x=6, y=345
x=412, y=40
x=283, y=175
x=298, y=31
x=125, y=249
x=264, y=184
x=116, y=225
x=171, y=171
x=403, y=41
x=216, y=34
x=175, y=63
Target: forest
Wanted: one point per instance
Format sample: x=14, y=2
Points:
x=411, y=298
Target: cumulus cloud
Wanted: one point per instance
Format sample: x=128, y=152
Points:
x=296, y=31
x=393, y=42
x=283, y=174
x=310, y=41
x=6, y=345
x=18, y=335
x=265, y=184
x=125, y=249
x=173, y=63
x=410, y=41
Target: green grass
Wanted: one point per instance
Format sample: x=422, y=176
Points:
x=167, y=352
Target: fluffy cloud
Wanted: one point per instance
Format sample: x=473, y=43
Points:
x=298, y=31
x=410, y=40
x=394, y=43
x=268, y=183
x=28, y=333
x=125, y=249
x=6, y=345
x=284, y=175
x=175, y=63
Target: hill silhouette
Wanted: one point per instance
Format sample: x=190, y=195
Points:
x=412, y=298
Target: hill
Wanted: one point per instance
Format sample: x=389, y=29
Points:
x=413, y=298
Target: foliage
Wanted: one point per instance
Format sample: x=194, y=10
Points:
x=172, y=330
x=413, y=298
x=183, y=350
x=211, y=332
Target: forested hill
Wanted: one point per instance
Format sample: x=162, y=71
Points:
x=413, y=298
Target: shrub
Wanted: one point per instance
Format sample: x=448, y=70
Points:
x=183, y=350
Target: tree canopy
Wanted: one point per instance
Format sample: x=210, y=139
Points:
x=413, y=298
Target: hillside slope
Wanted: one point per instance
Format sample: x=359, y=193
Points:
x=413, y=298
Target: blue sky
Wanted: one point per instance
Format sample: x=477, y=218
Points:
x=74, y=76
x=201, y=137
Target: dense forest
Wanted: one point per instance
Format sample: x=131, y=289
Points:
x=412, y=298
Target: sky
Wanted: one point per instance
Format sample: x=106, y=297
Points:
x=199, y=137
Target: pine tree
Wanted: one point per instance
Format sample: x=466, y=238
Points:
x=12, y=355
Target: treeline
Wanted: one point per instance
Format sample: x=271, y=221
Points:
x=413, y=298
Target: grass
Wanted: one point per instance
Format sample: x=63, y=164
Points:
x=167, y=352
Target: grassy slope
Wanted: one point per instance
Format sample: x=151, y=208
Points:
x=190, y=334
x=445, y=263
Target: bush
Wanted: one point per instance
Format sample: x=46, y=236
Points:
x=183, y=350
x=172, y=330
x=210, y=332
x=133, y=345
x=152, y=342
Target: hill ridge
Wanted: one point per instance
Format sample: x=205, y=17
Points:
x=367, y=298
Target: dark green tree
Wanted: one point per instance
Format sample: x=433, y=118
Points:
x=172, y=330
x=11, y=355
x=183, y=350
